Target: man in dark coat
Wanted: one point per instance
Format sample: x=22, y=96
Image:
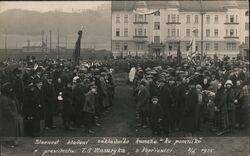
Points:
x=59, y=86
x=78, y=101
x=8, y=115
x=31, y=111
x=67, y=108
x=173, y=109
x=89, y=107
x=155, y=116
x=40, y=99
x=217, y=101
x=18, y=87
x=166, y=100
x=49, y=102
x=190, y=118
x=143, y=98
x=182, y=88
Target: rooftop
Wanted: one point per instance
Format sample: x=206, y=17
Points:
x=182, y=5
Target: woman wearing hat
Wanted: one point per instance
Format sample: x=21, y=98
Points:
x=227, y=108
x=8, y=115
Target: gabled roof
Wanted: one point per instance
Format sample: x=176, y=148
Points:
x=195, y=5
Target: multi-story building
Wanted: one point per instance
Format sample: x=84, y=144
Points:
x=219, y=27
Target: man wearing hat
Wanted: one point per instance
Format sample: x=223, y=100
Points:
x=174, y=94
x=104, y=91
x=89, y=107
x=190, y=118
x=78, y=100
x=182, y=89
x=31, y=110
x=165, y=100
x=67, y=108
x=143, y=98
x=40, y=100
x=49, y=102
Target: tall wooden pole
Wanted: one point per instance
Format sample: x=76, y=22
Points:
x=58, y=43
x=50, y=41
x=66, y=42
x=42, y=41
x=5, y=42
x=46, y=41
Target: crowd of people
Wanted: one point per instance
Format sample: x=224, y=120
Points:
x=170, y=96
x=182, y=97
x=34, y=91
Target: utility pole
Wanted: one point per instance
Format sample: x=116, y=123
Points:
x=42, y=41
x=58, y=43
x=5, y=43
x=46, y=43
x=50, y=40
x=66, y=40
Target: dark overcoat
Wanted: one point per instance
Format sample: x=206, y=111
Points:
x=49, y=99
x=89, y=105
x=8, y=117
x=67, y=101
x=143, y=98
x=190, y=119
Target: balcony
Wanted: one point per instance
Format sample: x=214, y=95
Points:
x=231, y=23
x=173, y=23
x=173, y=38
x=140, y=36
x=140, y=22
x=231, y=37
x=140, y=39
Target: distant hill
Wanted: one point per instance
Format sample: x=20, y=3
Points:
x=31, y=23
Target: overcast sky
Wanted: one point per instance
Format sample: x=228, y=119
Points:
x=45, y=6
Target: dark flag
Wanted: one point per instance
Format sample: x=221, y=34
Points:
x=76, y=54
x=179, y=54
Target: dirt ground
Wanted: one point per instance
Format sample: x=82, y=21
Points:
x=121, y=122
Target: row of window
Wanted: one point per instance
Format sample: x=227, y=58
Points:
x=175, y=32
x=125, y=46
x=138, y=32
x=174, y=46
x=175, y=18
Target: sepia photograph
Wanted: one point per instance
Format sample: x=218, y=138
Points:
x=124, y=78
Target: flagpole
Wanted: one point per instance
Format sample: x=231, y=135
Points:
x=202, y=14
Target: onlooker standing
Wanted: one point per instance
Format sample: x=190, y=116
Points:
x=8, y=115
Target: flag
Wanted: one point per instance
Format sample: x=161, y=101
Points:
x=179, y=54
x=145, y=11
x=192, y=49
x=76, y=54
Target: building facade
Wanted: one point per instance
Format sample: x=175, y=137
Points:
x=219, y=27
